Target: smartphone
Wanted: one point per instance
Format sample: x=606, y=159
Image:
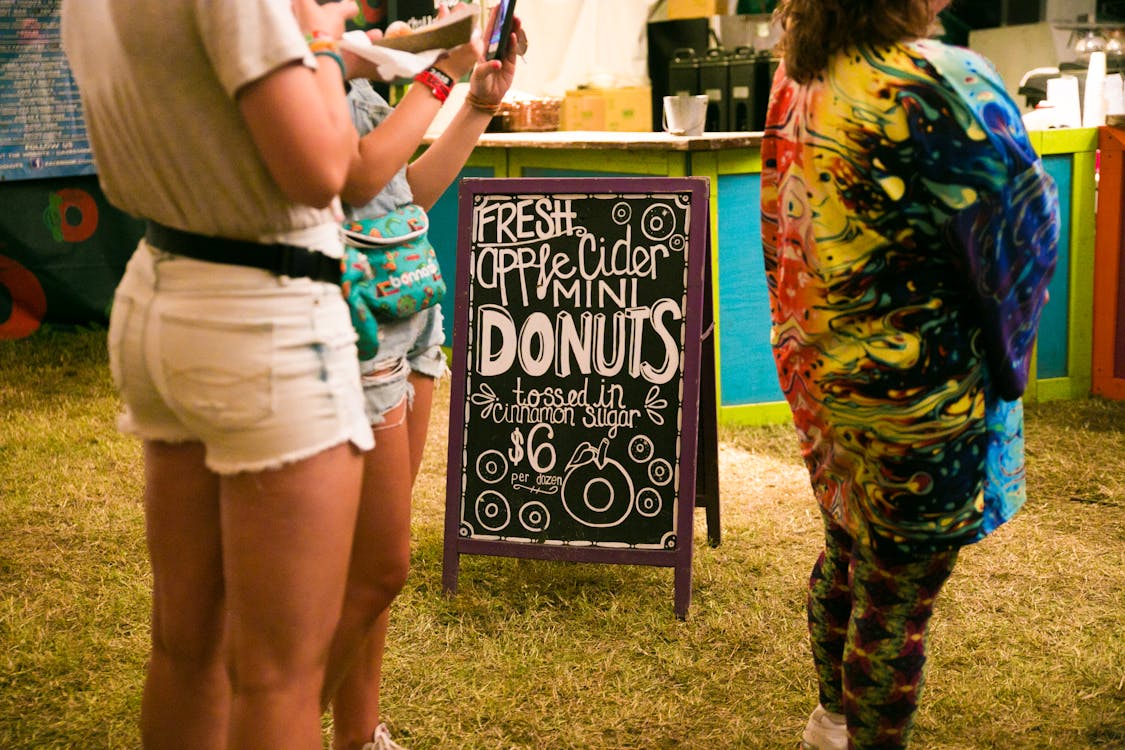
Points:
x=501, y=33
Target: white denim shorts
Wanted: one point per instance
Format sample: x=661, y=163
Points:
x=260, y=369
x=409, y=345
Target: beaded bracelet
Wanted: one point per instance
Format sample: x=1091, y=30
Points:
x=436, y=81
x=320, y=45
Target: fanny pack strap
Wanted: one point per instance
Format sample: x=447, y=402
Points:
x=277, y=258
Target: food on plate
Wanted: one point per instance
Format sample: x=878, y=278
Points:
x=397, y=29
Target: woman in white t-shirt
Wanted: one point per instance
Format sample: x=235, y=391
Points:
x=224, y=125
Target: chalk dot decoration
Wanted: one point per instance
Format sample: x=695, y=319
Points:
x=668, y=541
x=622, y=213
x=493, y=511
x=492, y=466
x=660, y=472
x=658, y=222
x=677, y=242
x=649, y=502
x=535, y=517
x=641, y=448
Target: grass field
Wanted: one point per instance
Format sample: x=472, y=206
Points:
x=1027, y=646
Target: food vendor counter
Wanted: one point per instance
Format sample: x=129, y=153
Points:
x=62, y=248
x=748, y=391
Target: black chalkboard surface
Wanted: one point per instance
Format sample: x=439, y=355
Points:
x=576, y=371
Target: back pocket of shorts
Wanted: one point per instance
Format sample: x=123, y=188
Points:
x=218, y=371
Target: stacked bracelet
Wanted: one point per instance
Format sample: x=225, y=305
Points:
x=324, y=45
x=480, y=105
x=437, y=81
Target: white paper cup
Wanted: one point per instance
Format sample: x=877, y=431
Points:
x=685, y=114
x=1063, y=93
x=1114, y=94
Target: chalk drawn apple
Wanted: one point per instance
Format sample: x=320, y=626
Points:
x=596, y=490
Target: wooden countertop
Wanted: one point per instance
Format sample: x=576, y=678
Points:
x=601, y=140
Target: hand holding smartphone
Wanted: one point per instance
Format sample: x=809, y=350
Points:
x=500, y=35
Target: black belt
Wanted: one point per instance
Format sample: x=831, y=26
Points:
x=280, y=259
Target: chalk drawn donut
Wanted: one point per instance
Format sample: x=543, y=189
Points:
x=71, y=215
x=622, y=212
x=641, y=448
x=28, y=300
x=660, y=472
x=658, y=222
x=668, y=541
x=492, y=510
x=535, y=517
x=596, y=491
x=492, y=466
x=677, y=243
x=649, y=502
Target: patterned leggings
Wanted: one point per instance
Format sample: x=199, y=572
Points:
x=867, y=621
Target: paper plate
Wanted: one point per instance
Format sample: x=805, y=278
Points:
x=455, y=29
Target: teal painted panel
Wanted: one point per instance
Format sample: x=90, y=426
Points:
x=443, y=236
x=747, y=371
x=1054, y=329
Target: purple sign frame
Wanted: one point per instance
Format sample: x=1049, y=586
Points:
x=575, y=399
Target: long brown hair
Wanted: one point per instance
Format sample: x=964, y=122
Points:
x=814, y=30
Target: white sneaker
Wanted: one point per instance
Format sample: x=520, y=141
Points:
x=381, y=740
x=825, y=731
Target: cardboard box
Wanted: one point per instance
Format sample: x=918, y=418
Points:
x=583, y=109
x=693, y=8
x=629, y=109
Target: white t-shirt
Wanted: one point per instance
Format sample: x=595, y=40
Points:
x=158, y=80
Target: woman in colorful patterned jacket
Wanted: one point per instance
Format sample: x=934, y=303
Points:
x=909, y=234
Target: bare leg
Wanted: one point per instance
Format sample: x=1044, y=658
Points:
x=418, y=421
x=186, y=699
x=379, y=566
x=286, y=551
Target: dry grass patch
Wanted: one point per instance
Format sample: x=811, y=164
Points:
x=1028, y=649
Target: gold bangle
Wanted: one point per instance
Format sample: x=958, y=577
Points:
x=481, y=105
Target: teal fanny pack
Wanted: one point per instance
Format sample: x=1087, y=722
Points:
x=390, y=271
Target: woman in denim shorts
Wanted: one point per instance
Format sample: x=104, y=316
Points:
x=242, y=383
x=398, y=382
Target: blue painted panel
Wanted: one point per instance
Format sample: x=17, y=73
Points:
x=443, y=236
x=748, y=375
x=1054, y=329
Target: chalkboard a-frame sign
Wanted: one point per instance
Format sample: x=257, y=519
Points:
x=576, y=372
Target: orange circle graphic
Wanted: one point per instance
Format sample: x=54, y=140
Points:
x=29, y=303
x=83, y=203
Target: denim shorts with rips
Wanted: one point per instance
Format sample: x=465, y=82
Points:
x=409, y=345
x=260, y=369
